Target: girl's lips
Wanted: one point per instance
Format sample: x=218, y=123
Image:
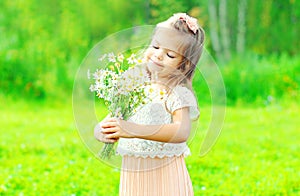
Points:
x=156, y=63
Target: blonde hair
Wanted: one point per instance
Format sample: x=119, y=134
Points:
x=191, y=42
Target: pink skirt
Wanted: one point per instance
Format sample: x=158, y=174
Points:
x=154, y=176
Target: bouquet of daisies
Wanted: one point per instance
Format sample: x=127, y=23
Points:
x=121, y=84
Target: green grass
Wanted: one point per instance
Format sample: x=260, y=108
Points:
x=41, y=153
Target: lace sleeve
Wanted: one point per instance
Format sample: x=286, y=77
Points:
x=182, y=97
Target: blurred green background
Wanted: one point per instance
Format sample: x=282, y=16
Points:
x=255, y=44
x=44, y=42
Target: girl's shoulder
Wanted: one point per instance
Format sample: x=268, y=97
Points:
x=180, y=89
x=181, y=97
x=183, y=93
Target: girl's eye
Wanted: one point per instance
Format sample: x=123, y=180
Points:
x=171, y=56
x=155, y=47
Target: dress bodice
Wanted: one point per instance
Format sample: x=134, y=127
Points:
x=158, y=112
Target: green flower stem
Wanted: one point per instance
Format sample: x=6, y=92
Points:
x=107, y=151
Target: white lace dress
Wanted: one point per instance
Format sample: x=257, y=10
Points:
x=157, y=168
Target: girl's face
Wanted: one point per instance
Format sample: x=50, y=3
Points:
x=160, y=58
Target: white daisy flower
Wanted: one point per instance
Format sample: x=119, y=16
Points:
x=120, y=57
x=131, y=59
x=111, y=57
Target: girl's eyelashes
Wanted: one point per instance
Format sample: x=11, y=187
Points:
x=170, y=55
x=155, y=47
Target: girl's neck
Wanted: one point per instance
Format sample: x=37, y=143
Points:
x=158, y=81
x=158, y=84
x=162, y=82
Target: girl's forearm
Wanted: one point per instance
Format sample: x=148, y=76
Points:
x=176, y=132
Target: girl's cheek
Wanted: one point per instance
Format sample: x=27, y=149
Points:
x=148, y=53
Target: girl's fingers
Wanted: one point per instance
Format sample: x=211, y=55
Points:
x=111, y=140
x=109, y=130
x=112, y=136
x=108, y=140
x=108, y=124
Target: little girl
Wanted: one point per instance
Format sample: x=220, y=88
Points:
x=152, y=142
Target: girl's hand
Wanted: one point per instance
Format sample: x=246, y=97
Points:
x=113, y=128
x=99, y=135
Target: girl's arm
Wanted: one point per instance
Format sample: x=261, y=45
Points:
x=176, y=132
